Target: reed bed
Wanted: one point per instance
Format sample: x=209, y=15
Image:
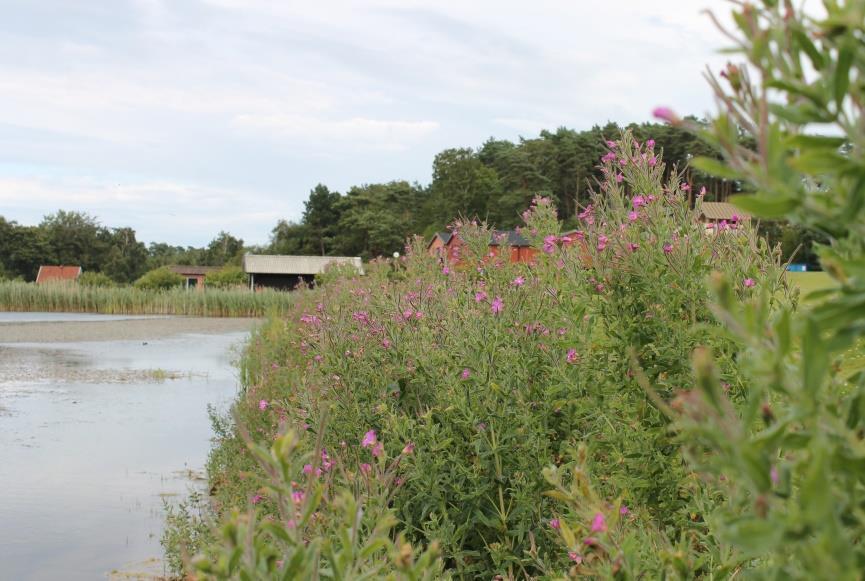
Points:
x=73, y=298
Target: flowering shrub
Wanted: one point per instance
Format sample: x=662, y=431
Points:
x=505, y=378
x=789, y=463
x=311, y=517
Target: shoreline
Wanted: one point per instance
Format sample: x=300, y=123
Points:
x=120, y=330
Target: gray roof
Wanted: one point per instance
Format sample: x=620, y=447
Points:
x=282, y=264
x=508, y=238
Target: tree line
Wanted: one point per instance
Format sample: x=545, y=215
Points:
x=77, y=238
x=495, y=182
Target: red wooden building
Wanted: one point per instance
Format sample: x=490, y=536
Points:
x=194, y=275
x=51, y=274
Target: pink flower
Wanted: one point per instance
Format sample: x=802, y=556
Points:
x=369, y=439
x=650, y=143
x=602, y=242
x=686, y=187
x=297, y=497
x=262, y=405
x=668, y=248
x=632, y=216
x=575, y=557
x=619, y=178
x=599, y=523
x=408, y=448
x=773, y=475
x=497, y=306
x=633, y=247
x=666, y=114
x=734, y=217
x=638, y=201
x=385, y=343
x=446, y=271
x=599, y=287
x=749, y=282
x=611, y=144
x=257, y=498
x=519, y=281
x=466, y=373
x=307, y=469
x=480, y=296
x=702, y=191
x=624, y=510
x=378, y=449
x=653, y=161
x=549, y=244
x=555, y=524
x=571, y=357
x=365, y=468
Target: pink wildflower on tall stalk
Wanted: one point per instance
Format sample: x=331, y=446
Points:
x=480, y=296
x=497, y=306
x=599, y=523
x=378, y=449
x=571, y=357
x=749, y=282
x=262, y=405
x=666, y=114
x=519, y=281
x=369, y=439
x=602, y=242
x=466, y=373
x=555, y=524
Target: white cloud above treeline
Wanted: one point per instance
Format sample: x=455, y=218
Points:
x=227, y=112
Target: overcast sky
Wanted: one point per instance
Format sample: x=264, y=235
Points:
x=183, y=117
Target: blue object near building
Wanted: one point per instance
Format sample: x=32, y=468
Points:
x=797, y=267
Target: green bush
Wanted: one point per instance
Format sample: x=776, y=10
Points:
x=95, y=279
x=161, y=278
x=496, y=371
x=227, y=277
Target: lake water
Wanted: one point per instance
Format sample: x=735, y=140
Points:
x=94, y=436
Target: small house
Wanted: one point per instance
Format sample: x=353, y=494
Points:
x=439, y=242
x=53, y=274
x=721, y=215
x=285, y=272
x=502, y=242
x=194, y=276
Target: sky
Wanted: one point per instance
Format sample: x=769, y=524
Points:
x=181, y=118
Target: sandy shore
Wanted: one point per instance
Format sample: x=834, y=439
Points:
x=125, y=330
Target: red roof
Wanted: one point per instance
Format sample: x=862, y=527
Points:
x=57, y=273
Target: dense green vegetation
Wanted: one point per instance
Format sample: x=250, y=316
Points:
x=127, y=300
x=648, y=402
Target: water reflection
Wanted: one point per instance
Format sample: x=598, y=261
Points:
x=93, y=436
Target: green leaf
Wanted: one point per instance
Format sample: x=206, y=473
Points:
x=815, y=359
x=841, y=79
x=819, y=161
x=715, y=168
x=816, y=491
x=754, y=537
x=765, y=205
x=816, y=58
x=817, y=141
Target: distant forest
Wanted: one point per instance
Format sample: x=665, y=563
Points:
x=495, y=182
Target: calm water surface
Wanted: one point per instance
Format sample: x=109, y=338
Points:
x=93, y=438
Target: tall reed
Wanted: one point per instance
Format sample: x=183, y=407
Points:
x=73, y=298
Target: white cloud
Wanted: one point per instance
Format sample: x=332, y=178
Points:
x=358, y=131
x=252, y=102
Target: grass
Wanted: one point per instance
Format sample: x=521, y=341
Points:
x=73, y=298
x=808, y=282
